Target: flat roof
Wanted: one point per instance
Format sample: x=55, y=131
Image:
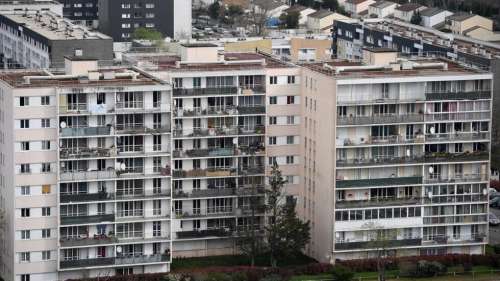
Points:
x=382, y=4
x=408, y=7
x=320, y=14
x=15, y=78
x=52, y=26
x=460, y=16
x=429, y=12
x=355, y=70
x=380, y=50
x=198, y=45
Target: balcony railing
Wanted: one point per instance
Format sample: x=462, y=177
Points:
x=130, y=213
x=381, y=202
x=130, y=105
x=395, y=139
x=139, y=128
x=378, y=182
x=456, y=157
x=84, y=152
x=87, y=262
x=457, y=178
x=380, y=119
x=220, y=131
x=87, y=241
x=446, y=219
x=454, y=239
x=216, y=232
x=210, y=172
x=380, y=161
x=458, y=136
x=87, y=175
x=356, y=245
x=139, y=259
x=451, y=116
x=251, y=109
x=85, y=131
x=211, y=211
x=478, y=94
x=205, y=91
x=200, y=193
x=65, y=220
x=82, y=197
x=459, y=198
x=206, y=152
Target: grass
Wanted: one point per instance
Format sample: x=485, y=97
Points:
x=236, y=260
x=483, y=274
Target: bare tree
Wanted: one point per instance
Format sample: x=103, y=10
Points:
x=259, y=15
x=380, y=240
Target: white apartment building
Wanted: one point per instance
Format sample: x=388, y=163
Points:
x=398, y=148
x=89, y=151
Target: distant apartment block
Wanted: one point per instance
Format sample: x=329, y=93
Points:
x=83, y=12
x=38, y=40
x=30, y=6
x=400, y=148
x=170, y=17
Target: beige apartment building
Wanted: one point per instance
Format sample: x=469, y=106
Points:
x=398, y=150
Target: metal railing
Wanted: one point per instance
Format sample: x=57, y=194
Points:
x=474, y=95
x=379, y=182
x=97, y=239
x=460, y=136
x=446, y=219
x=232, y=90
x=379, y=202
x=201, y=193
x=459, y=198
x=451, y=116
x=457, y=157
x=457, y=178
x=87, y=175
x=82, y=197
x=380, y=119
x=380, y=161
x=87, y=262
x=84, y=152
x=394, y=139
x=220, y=131
x=65, y=220
x=202, y=233
x=85, y=131
x=354, y=245
x=139, y=259
x=209, y=211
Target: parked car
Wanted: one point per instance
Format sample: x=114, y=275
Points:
x=493, y=219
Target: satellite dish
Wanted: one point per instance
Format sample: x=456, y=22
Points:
x=119, y=249
x=432, y=130
x=235, y=141
x=431, y=169
x=63, y=124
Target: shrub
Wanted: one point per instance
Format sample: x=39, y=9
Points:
x=273, y=277
x=407, y=269
x=341, y=273
x=239, y=276
x=216, y=276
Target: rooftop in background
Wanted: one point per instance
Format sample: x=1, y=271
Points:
x=28, y=2
x=198, y=45
x=320, y=14
x=51, y=26
x=295, y=8
x=460, y=16
x=409, y=7
x=382, y=4
x=419, y=67
x=429, y=12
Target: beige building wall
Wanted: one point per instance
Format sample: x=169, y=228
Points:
x=321, y=48
x=459, y=27
x=264, y=45
x=319, y=119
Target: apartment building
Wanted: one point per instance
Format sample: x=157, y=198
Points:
x=41, y=39
x=350, y=37
x=396, y=152
x=86, y=188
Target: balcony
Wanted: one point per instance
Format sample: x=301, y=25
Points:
x=87, y=175
x=140, y=259
x=251, y=109
x=437, y=157
x=457, y=136
x=140, y=128
x=129, y=106
x=87, y=241
x=85, y=131
x=378, y=182
x=202, y=193
x=479, y=94
x=447, y=219
x=64, y=264
x=381, y=202
x=377, y=140
x=357, y=245
x=457, y=178
x=379, y=119
x=83, y=197
x=208, y=212
x=251, y=170
x=460, y=198
x=84, y=152
x=121, y=214
x=453, y=116
x=460, y=239
x=380, y=161
x=210, y=110
x=205, y=91
x=220, y=131
x=210, y=172
x=193, y=234
x=141, y=195
x=65, y=220
x=205, y=152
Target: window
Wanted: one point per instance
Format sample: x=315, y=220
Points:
x=156, y=207
x=125, y=16
x=25, y=169
x=150, y=15
x=125, y=25
x=45, y=211
x=150, y=6
x=272, y=140
x=177, y=83
x=272, y=160
x=25, y=277
x=156, y=229
x=24, y=123
x=25, y=146
x=45, y=145
x=273, y=80
x=290, y=159
x=290, y=100
x=25, y=190
x=45, y=123
x=272, y=120
x=45, y=255
x=290, y=120
x=291, y=79
x=196, y=82
x=24, y=257
x=290, y=139
x=45, y=167
x=25, y=212
x=125, y=6
x=273, y=100
x=25, y=234
x=46, y=233
x=46, y=189
x=45, y=100
x=24, y=101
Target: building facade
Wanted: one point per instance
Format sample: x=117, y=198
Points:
x=91, y=168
